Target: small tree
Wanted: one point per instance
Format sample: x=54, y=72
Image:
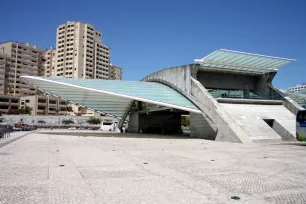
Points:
x=25, y=110
x=94, y=121
x=67, y=122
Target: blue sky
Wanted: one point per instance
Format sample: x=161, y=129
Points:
x=146, y=36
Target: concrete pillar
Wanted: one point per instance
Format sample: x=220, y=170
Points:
x=134, y=123
x=201, y=127
x=187, y=78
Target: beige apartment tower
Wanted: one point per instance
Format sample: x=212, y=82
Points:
x=47, y=63
x=17, y=59
x=80, y=52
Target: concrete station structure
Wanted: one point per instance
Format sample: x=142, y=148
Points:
x=229, y=96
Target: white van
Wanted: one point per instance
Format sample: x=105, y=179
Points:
x=110, y=126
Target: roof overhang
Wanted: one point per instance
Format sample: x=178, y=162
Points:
x=111, y=97
x=228, y=60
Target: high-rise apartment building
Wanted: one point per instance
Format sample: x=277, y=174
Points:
x=47, y=63
x=80, y=52
x=298, y=88
x=18, y=59
x=3, y=66
x=115, y=72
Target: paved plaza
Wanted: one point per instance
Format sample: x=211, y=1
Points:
x=48, y=168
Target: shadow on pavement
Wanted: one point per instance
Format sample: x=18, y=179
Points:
x=293, y=143
x=119, y=135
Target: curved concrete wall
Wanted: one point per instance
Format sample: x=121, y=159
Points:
x=179, y=78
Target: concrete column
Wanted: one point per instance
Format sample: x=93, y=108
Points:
x=134, y=123
x=201, y=127
x=187, y=78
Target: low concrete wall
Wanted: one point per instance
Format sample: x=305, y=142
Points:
x=50, y=120
x=285, y=134
x=249, y=101
x=290, y=104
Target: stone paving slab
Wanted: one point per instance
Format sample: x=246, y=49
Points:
x=13, y=136
x=60, y=169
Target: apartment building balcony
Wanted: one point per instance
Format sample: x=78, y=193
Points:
x=23, y=89
x=89, y=48
x=2, y=103
x=62, y=105
x=24, y=85
x=52, y=111
x=62, y=112
x=29, y=61
x=4, y=110
x=41, y=112
x=27, y=56
x=30, y=68
x=22, y=51
x=2, y=67
x=14, y=106
x=29, y=52
x=53, y=104
x=15, y=100
x=42, y=104
x=32, y=92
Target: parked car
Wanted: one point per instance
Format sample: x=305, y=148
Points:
x=72, y=128
x=25, y=127
x=17, y=128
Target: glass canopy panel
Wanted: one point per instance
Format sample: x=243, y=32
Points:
x=112, y=97
x=241, y=61
x=299, y=97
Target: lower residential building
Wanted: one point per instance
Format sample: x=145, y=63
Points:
x=82, y=111
x=8, y=103
x=42, y=105
x=45, y=105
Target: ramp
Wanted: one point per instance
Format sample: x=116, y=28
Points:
x=263, y=123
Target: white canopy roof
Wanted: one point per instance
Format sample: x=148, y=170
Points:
x=241, y=61
x=111, y=97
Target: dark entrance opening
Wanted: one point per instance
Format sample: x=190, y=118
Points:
x=160, y=122
x=146, y=118
x=270, y=122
